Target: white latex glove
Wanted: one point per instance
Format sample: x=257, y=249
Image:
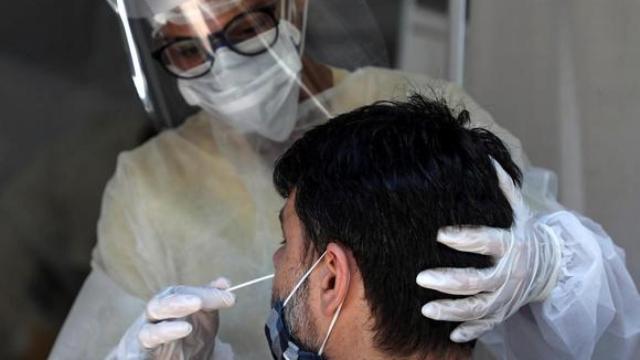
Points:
x=527, y=260
x=180, y=322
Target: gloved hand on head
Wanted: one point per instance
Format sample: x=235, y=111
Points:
x=181, y=322
x=527, y=259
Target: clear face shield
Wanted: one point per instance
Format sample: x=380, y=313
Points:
x=189, y=37
x=249, y=62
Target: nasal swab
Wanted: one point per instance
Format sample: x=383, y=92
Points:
x=249, y=283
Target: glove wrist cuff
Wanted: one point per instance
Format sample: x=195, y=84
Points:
x=551, y=249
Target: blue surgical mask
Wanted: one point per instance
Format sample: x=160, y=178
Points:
x=278, y=335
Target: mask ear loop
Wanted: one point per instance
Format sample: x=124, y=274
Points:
x=302, y=279
x=333, y=322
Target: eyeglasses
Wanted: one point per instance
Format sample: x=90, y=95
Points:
x=249, y=34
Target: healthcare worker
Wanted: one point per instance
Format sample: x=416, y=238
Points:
x=197, y=201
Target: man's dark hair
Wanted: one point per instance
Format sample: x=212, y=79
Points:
x=381, y=180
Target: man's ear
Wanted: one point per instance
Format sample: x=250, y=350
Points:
x=335, y=280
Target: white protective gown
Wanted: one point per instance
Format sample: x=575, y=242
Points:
x=198, y=202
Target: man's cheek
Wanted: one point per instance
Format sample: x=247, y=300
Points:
x=279, y=274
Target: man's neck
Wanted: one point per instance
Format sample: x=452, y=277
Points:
x=373, y=354
x=353, y=339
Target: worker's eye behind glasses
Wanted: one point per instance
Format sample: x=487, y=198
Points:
x=250, y=33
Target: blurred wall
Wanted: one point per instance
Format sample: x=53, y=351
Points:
x=387, y=15
x=564, y=76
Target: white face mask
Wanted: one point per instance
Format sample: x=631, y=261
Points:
x=254, y=94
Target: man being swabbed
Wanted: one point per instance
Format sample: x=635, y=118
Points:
x=366, y=195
